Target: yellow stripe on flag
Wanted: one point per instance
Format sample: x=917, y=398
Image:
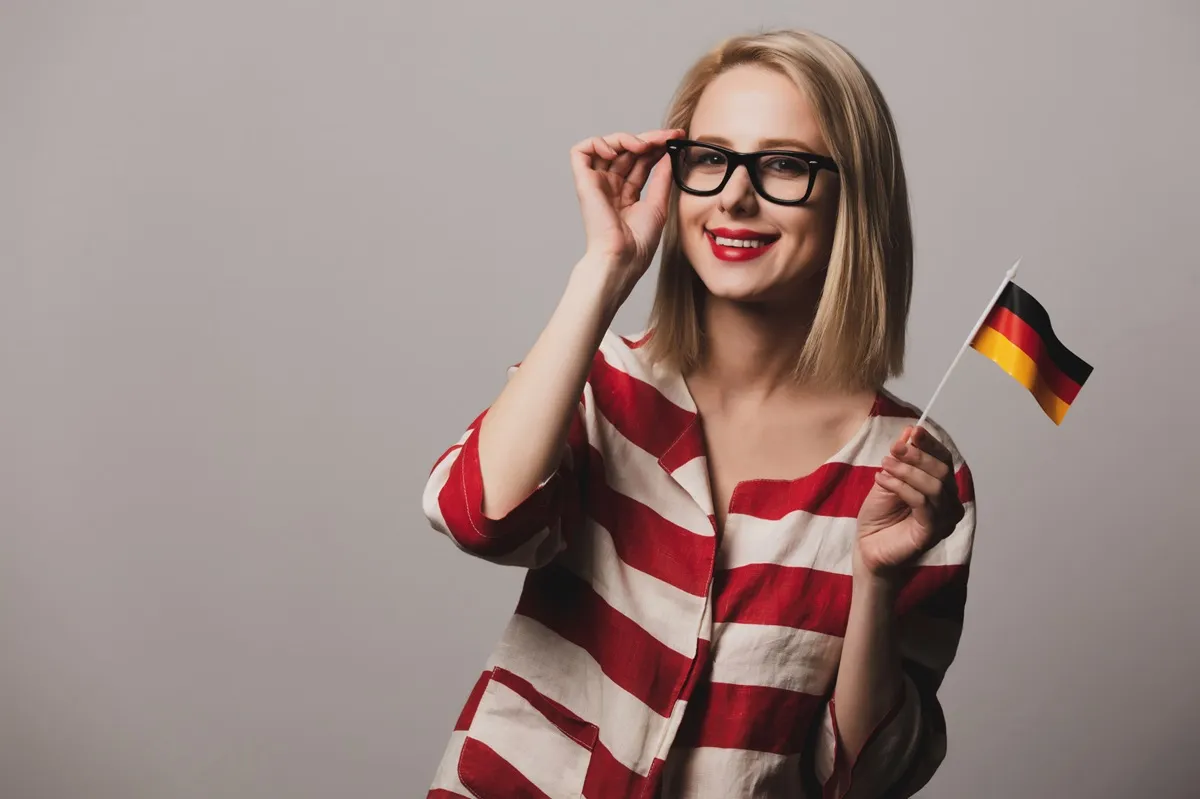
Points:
x=1020, y=367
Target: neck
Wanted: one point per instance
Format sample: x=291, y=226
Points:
x=751, y=349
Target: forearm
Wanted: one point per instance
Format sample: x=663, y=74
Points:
x=870, y=679
x=523, y=433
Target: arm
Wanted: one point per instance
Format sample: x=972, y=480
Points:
x=500, y=492
x=884, y=734
x=904, y=747
x=522, y=435
x=504, y=492
x=870, y=684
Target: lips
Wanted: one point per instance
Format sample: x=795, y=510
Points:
x=739, y=244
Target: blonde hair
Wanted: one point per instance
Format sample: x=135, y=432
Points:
x=857, y=336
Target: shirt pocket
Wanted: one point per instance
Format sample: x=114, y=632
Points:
x=523, y=744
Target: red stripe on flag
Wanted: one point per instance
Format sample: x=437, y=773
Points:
x=631, y=657
x=1018, y=331
x=833, y=489
x=485, y=773
x=787, y=596
x=750, y=717
x=645, y=540
x=440, y=793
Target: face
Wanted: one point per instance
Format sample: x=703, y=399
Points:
x=775, y=249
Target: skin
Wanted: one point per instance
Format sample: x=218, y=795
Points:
x=749, y=109
x=758, y=421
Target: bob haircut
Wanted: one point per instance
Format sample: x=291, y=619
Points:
x=858, y=334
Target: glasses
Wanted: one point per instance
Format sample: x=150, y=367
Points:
x=785, y=177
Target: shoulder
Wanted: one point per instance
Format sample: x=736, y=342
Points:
x=623, y=368
x=626, y=352
x=895, y=413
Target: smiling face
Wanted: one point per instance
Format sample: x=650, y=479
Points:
x=743, y=247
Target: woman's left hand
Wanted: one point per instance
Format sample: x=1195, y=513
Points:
x=913, y=505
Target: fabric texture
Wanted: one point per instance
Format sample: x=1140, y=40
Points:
x=647, y=657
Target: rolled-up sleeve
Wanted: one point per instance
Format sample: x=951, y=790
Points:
x=909, y=744
x=528, y=536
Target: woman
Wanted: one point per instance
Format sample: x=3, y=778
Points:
x=746, y=568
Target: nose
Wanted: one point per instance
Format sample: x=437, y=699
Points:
x=738, y=196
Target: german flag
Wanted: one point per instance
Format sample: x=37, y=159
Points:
x=1017, y=335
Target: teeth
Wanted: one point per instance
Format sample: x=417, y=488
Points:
x=751, y=243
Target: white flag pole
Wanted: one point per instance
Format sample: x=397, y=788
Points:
x=1008, y=276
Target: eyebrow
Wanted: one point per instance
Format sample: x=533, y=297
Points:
x=765, y=144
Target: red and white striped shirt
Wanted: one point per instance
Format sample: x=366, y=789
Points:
x=650, y=657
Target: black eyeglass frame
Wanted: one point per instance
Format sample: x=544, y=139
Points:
x=734, y=159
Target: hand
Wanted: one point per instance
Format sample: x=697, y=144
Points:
x=913, y=505
x=622, y=226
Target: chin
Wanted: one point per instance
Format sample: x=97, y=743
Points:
x=734, y=284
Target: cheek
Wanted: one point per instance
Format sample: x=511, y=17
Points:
x=813, y=231
x=825, y=218
x=691, y=211
x=801, y=228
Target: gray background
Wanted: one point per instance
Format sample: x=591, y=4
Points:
x=261, y=262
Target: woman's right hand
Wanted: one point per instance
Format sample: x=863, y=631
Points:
x=623, y=224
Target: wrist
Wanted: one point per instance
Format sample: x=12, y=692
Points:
x=603, y=281
x=883, y=582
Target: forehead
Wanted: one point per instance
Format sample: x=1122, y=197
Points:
x=747, y=105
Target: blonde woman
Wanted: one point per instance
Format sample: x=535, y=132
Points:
x=746, y=568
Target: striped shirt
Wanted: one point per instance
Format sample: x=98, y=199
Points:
x=649, y=656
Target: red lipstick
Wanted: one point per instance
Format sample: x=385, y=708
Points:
x=751, y=243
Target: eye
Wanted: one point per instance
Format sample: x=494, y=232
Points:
x=703, y=157
x=785, y=166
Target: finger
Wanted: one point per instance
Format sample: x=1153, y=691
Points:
x=624, y=148
x=914, y=499
x=918, y=478
x=910, y=496
x=599, y=152
x=587, y=180
x=581, y=163
x=661, y=136
x=918, y=446
x=907, y=453
x=635, y=181
x=930, y=443
x=621, y=142
x=595, y=146
x=623, y=164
